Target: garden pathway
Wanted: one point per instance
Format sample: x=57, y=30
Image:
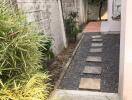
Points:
x=93, y=83
x=97, y=26
x=95, y=67
x=92, y=27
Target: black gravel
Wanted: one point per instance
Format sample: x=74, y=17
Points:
x=110, y=66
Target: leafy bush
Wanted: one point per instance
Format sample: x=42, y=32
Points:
x=21, y=46
x=33, y=89
x=48, y=54
x=71, y=26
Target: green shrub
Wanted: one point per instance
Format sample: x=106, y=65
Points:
x=21, y=57
x=71, y=26
x=48, y=54
x=35, y=88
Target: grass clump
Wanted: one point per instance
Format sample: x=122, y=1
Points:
x=21, y=46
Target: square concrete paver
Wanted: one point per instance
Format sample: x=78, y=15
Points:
x=92, y=70
x=96, y=36
x=89, y=83
x=96, y=50
x=97, y=44
x=97, y=40
x=94, y=59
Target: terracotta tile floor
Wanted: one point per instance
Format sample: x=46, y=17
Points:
x=92, y=27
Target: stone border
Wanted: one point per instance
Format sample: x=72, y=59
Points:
x=111, y=32
x=86, y=93
x=82, y=93
x=66, y=67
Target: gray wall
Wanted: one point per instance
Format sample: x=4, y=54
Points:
x=69, y=6
x=75, y=5
x=47, y=15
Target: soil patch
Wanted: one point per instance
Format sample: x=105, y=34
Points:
x=60, y=61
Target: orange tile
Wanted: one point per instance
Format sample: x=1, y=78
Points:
x=92, y=27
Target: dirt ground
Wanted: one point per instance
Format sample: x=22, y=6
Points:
x=59, y=62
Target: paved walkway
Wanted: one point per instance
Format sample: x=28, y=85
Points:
x=99, y=26
x=96, y=64
x=92, y=27
x=95, y=68
x=83, y=95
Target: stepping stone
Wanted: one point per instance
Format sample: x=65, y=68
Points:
x=92, y=70
x=96, y=50
x=97, y=44
x=97, y=40
x=94, y=59
x=96, y=36
x=89, y=83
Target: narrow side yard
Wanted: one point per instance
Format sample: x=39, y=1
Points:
x=110, y=64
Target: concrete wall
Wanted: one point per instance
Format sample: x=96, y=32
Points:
x=83, y=11
x=68, y=6
x=76, y=6
x=48, y=16
x=125, y=88
x=93, y=10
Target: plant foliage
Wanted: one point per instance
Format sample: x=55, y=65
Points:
x=71, y=26
x=21, y=48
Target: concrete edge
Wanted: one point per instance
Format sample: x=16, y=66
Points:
x=105, y=32
x=84, y=93
x=65, y=68
x=110, y=32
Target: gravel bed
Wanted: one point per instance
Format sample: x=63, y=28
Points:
x=110, y=65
